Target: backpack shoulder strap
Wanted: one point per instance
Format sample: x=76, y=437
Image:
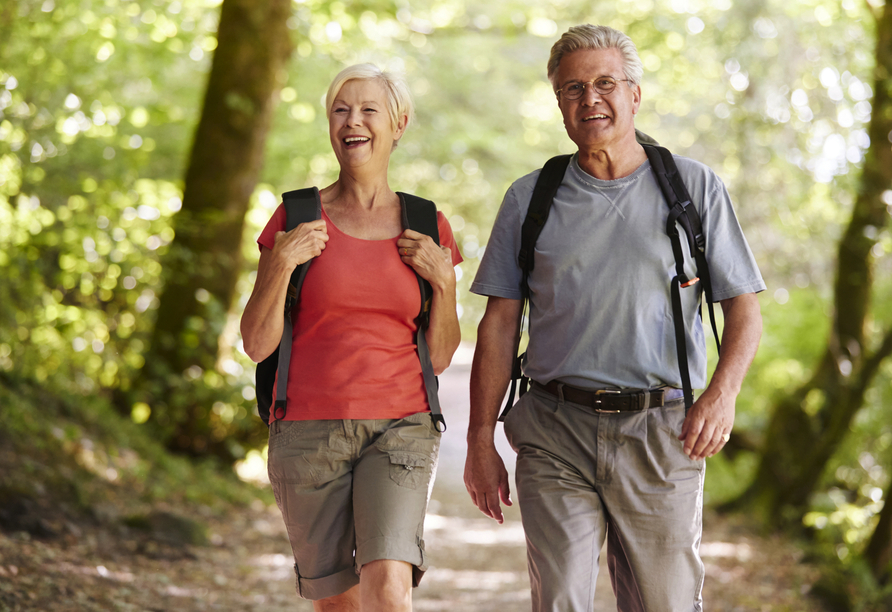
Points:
x=550, y=178
x=537, y=214
x=682, y=213
x=301, y=206
x=420, y=215
x=681, y=208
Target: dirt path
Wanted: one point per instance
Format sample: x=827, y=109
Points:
x=476, y=564
x=475, y=568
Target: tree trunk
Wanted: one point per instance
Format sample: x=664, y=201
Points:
x=204, y=260
x=807, y=427
x=878, y=553
x=8, y=13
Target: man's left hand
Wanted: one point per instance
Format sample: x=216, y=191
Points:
x=707, y=427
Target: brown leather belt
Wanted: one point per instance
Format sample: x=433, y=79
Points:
x=612, y=400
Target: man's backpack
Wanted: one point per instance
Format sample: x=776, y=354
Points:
x=304, y=205
x=681, y=213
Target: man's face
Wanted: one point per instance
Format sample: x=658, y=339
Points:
x=595, y=121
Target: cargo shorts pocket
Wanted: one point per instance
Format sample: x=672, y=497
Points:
x=407, y=469
x=297, y=452
x=283, y=432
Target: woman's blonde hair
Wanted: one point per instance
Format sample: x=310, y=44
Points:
x=589, y=36
x=399, y=100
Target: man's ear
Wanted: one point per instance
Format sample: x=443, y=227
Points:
x=636, y=103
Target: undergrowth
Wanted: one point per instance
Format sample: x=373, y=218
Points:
x=76, y=455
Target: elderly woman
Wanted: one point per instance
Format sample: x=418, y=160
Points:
x=352, y=502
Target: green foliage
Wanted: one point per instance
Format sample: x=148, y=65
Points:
x=75, y=448
x=98, y=105
x=95, y=109
x=170, y=528
x=99, y=110
x=849, y=586
x=795, y=326
x=785, y=136
x=844, y=513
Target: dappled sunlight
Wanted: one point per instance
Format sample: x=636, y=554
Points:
x=99, y=108
x=729, y=550
x=275, y=567
x=98, y=571
x=454, y=531
x=253, y=467
x=477, y=580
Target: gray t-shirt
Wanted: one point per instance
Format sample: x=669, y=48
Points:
x=600, y=306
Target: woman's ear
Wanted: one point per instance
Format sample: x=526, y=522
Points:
x=401, y=127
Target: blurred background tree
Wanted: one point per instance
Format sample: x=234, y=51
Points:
x=101, y=102
x=808, y=424
x=203, y=262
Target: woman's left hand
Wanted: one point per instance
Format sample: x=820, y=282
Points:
x=432, y=262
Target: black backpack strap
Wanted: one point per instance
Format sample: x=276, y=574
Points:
x=301, y=206
x=537, y=214
x=682, y=213
x=420, y=215
x=547, y=184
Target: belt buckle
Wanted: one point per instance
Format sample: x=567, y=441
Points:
x=606, y=392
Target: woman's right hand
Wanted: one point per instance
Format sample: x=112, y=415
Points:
x=301, y=244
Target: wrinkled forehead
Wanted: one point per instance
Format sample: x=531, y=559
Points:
x=588, y=64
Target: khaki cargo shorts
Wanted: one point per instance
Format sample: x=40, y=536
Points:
x=351, y=492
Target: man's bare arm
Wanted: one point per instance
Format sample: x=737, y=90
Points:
x=712, y=415
x=485, y=476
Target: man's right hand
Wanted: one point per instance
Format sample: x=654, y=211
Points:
x=485, y=476
x=487, y=479
x=301, y=244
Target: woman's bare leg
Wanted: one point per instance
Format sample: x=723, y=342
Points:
x=347, y=601
x=386, y=586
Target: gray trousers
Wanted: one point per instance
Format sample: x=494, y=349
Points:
x=584, y=476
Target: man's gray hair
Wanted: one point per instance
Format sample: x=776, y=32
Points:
x=589, y=36
x=399, y=100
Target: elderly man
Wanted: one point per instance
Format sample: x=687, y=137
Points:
x=590, y=464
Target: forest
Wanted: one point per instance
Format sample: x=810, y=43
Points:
x=145, y=143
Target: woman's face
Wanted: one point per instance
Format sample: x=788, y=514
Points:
x=359, y=125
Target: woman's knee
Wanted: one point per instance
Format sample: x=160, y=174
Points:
x=387, y=583
x=345, y=602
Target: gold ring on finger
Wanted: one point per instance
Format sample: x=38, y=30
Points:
x=726, y=437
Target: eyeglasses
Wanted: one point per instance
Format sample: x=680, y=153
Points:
x=575, y=90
